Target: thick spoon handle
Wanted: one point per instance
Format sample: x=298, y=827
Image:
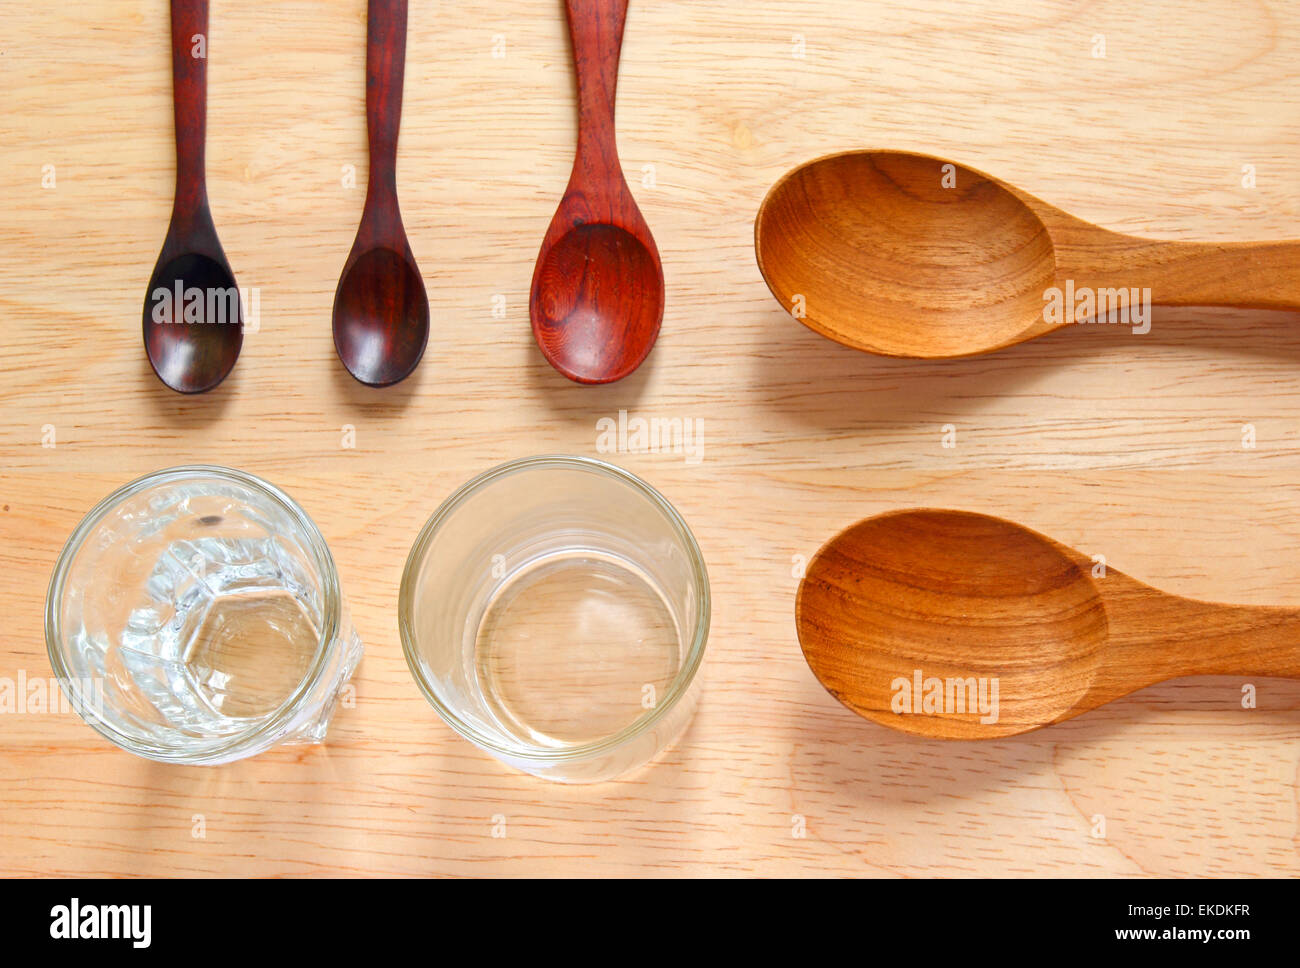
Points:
x=1245, y=640
x=385, y=70
x=596, y=28
x=190, y=100
x=1168, y=636
x=1255, y=275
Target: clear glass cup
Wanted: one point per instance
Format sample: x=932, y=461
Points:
x=194, y=616
x=555, y=611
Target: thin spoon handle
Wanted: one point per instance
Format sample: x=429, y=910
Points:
x=1255, y=275
x=385, y=71
x=596, y=28
x=190, y=100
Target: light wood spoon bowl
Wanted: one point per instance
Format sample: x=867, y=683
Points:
x=911, y=618
x=908, y=255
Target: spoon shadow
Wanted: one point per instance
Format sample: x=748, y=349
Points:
x=186, y=410
x=873, y=764
x=376, y=401
x=584, y=403
x=853, y=387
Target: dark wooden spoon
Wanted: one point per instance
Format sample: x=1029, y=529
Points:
x=381, y=311
x=598, y=288
x=955, y=625
x=193, y=317
x=907, y=255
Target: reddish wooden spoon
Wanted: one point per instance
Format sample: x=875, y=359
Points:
x=598, y=288
x=193, y=318
x=381, y=312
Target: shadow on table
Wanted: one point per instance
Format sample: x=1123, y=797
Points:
x=826, y=386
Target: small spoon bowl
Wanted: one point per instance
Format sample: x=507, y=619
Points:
x=381, y=317
x=600, y=299
x=192, y=345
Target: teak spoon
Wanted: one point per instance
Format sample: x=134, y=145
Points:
x=907, y=255
x=381, y=311
x=193, y=316
x=956, y=625
x=598, y=287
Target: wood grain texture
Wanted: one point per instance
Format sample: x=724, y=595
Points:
x=381, y=310
x=192, y=344
x=597, y=299
x=910, y=255
x=955, y=625
x=1132, y=448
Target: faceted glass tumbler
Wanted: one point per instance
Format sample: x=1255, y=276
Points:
x=555, y=611
x=194, y=616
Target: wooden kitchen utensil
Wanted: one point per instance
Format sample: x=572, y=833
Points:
x=193, y=316
x=955, y=625
x=907, y=255
x=381, y=311
x=598, y=288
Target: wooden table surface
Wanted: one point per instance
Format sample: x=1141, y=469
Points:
x=1135, y=447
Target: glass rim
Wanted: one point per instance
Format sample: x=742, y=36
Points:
x=677, y=688
x=329, y=633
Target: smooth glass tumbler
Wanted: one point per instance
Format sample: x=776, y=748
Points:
x=194, y=616
x=555, y=611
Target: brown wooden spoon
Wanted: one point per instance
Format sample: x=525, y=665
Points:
x=907, y=255
x=193, y=316
x=955, y=625
x=381, y=311
x=598, y=288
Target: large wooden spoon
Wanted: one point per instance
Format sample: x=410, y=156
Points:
x=907, y=255
x=598, y=288
x=956, y=625
x=193, y=316
x=381, y=311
